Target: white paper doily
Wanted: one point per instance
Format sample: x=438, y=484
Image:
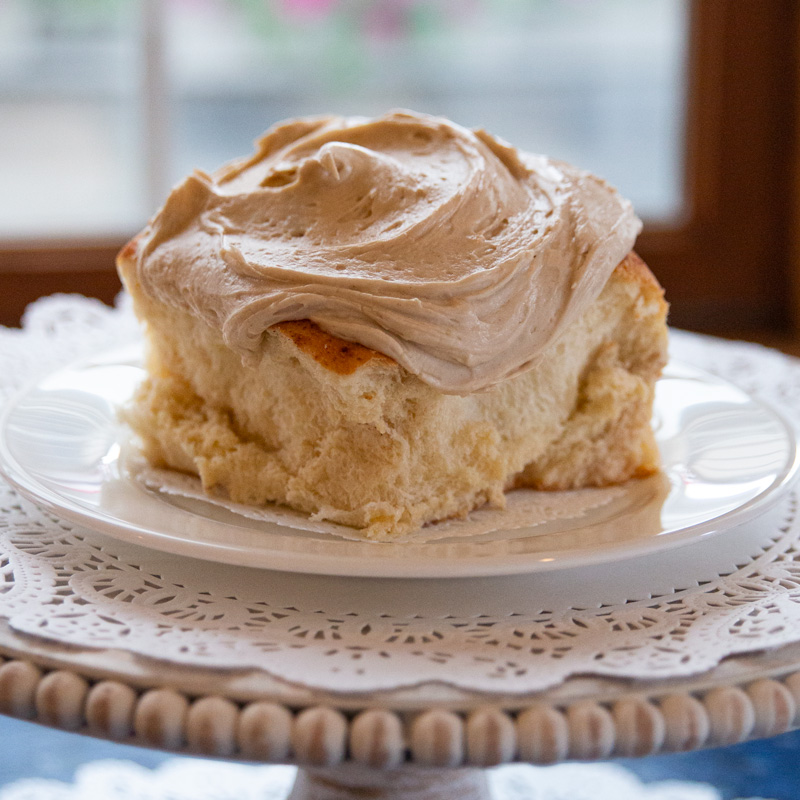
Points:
x=520, y=634
x=181, y=779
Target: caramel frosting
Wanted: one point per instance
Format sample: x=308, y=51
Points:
x=446, y=249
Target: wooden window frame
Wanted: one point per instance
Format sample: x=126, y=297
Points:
x=729, y=264
x=31, y=269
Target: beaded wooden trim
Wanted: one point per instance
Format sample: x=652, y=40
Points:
x=321, y=736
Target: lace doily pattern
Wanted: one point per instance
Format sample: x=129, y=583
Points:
x=70, y=585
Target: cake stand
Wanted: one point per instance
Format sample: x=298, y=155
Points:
x=422, y=742
x=398, y=686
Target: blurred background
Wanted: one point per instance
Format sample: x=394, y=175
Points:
x=687, y=106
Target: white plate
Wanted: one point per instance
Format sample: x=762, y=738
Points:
x=726, y=458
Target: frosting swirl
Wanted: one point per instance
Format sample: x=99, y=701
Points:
x=446, y=249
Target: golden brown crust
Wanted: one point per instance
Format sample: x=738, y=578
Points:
x=129, y=251
x=634, y=269
x=335, y=354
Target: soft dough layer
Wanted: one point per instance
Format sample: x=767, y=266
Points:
x=346, y=434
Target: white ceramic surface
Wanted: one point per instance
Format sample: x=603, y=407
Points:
x=726, y=458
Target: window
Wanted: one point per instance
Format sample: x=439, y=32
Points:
x=728, y=262
x=686, y=107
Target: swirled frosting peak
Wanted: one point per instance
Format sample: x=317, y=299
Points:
x=444, y=248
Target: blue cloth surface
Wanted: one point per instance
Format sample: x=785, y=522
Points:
x=768, y=769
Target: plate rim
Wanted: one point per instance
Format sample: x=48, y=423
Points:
x=379, y=566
